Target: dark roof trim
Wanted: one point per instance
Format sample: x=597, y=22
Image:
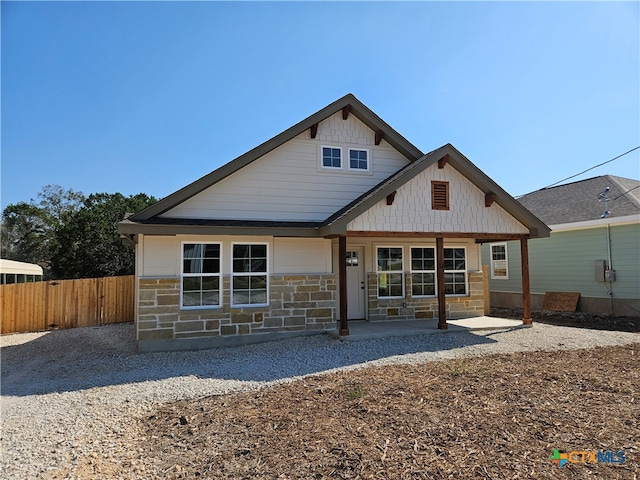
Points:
x=357, y=108
x=218, y=227
x=337, y=223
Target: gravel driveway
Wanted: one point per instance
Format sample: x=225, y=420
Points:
x=71, y=394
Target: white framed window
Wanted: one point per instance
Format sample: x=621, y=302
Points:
x=499, y=263
x=249, y=274
x=200, y=275
x=331, y=157
x=359, y=159
x=390, y=272
x=455, y=271
x=423, y=271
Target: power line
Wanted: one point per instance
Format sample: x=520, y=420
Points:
x=630, y=190
x=585, y=171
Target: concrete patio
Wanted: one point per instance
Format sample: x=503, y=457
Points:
x=361, y=330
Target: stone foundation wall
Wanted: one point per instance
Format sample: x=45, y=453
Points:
x=410, y=308
x=297, y=303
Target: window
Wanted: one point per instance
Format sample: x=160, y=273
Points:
x=332, y=157
x=390, y=275
x=249, y=274
x=358, y=159
x=499, y=267
x=455, y=271
x=423, y=271
x=439, y=195
x=200, y=286
x=352, y=259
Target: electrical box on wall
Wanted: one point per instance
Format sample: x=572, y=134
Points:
x=610, y=275
x=599, y=267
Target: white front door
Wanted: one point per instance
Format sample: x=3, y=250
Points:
x=356, y=288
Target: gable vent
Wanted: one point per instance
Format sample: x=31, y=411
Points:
x=439, y=195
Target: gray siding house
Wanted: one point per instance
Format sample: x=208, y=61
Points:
x=594, y=248
x=337, y=218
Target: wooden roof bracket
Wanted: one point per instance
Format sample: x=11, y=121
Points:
x=346, y=110
x=379, y=135
x=314, y=130
x=489, y=198
x=443, y=161
x=391, y=197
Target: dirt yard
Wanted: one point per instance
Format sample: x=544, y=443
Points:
x=489, y=417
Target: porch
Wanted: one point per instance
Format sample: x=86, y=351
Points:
x=362, y=330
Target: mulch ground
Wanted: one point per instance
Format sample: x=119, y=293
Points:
x=489, y=417
x=574, y=319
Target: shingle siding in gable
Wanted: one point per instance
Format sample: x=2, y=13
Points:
x=412, y=212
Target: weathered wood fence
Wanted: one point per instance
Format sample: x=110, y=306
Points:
x=33, y=307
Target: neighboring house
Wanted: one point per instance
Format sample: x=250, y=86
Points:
x=590, y=252
x=12, y=271
x=339, y=217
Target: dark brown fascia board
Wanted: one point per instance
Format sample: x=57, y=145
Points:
x=362, y=112
x=455, y=159
x=537, y=228
x=132, y=228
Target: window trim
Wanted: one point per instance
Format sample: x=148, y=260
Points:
x=183, y=275
x=322, y=165
x=465, y=271
x=493, y=261
x=378, y=272
x=349, y=150
x=232, y=274
x=435, y=271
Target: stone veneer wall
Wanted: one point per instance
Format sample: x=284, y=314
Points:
x=296, y=303
x=410, y=308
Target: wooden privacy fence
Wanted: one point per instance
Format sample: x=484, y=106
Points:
x=33, y=307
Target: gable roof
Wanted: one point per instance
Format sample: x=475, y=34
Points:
x=349, y=101
x=578, y=201
x=337, y=223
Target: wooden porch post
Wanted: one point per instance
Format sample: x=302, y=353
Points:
x=526, y=288
x=342, y=281
x=442, y=306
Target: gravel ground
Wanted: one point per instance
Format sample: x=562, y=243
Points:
x=71, y=394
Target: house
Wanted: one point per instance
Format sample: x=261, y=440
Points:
x=593, y=249
x=337, y=218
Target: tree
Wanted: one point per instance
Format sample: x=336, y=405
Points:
x=88, y=244
x=28, y=229
x=70, y=235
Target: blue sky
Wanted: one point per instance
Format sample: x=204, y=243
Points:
x=147, y=97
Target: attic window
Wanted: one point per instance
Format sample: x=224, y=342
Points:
x=331, y=157
x=439, y=195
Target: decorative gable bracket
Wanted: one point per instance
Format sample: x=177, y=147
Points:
x=489, y=198
x=379, y=135
x=391, y=197
x=443, y=161
x=346, y=110
x=314, y=130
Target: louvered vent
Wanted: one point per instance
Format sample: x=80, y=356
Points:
x=440, y=195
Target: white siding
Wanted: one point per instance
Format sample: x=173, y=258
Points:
x=288, y=182
x=411, y=210
x=303, y=255
x=160, y=255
